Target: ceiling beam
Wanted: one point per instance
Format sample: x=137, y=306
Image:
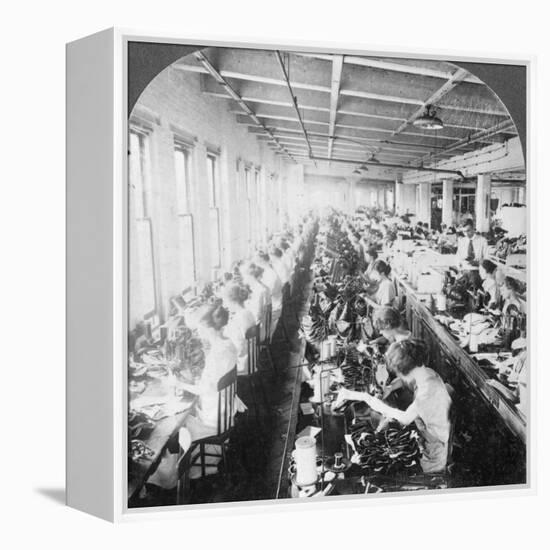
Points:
x=355, y=153
x=342, y=143
x=294, y=100
x=396, y=166
x=337, y=64
x=243, y=119
x=353, y=139
x=338, y=112
x=284, y=118
x=234, y=95
x=380, y=97
x=401, y=68
x=326, y=89
x=394, y=66
x=372, y=143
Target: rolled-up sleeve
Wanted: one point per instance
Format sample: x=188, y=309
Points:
x=404, y=417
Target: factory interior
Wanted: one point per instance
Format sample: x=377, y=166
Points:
x=327, y=270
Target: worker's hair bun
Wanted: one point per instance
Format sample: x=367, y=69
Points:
x=404, y=356
x=214, y=316
x=253, y=270
x=386, y=318
x=237, y=292
x=264, y=256
x=382, y=267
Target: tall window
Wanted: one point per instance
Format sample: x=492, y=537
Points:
x=263, y=202
x=214, y=193
x=186, y=237
x=248, y=183
x=142, y=273
x=256, y=199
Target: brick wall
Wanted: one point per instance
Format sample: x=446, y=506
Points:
x=177, y=107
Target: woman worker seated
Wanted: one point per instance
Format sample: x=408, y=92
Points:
x=273, y=282
x=220, y=358
x=371, y=255
x=387, y=320
x=240, y=321
x=509, y=292
x=429, y=409
x=487, y=272
x=385, y=290
x=260, y=295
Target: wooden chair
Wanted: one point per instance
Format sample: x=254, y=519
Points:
x=265, y=344
x=227, y=389
x=252, y=375
x=253, y=350
x=290, y=310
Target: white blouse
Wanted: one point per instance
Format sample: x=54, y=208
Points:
x=257, y=302
x=281, y=269
x=219, y=360
x=430, y=412
x=385, y=294
x=272, y=281
x=236, y=330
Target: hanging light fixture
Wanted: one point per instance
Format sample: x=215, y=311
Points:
x=357, y=172
x=429, y=120
x=364, y=168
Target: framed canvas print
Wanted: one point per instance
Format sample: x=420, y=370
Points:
x=297, y=274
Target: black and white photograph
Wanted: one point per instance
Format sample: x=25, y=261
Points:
x=274, y=275
x=327, y=275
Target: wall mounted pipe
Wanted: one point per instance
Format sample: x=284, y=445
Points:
x=236, y=97
x=455, y=173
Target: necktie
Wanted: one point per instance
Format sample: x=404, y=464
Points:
x=471, y=254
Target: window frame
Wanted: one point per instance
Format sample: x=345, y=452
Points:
x=143, y=130
x=184, y=145
x=214, y=204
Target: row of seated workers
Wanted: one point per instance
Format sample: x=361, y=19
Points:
x=235, y=324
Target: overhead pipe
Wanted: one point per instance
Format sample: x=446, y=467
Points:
x=398, y=166
x=235, y=96
x=478, y=136
x=294, y=101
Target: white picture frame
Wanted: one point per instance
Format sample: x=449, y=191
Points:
x=97, y=274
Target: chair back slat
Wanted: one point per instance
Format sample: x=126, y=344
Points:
x=226, y=400
x=252, y=340
x=267, y=323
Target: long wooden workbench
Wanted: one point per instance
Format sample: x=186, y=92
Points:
x=423, y=325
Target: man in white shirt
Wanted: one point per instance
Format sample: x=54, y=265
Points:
x=472, y=248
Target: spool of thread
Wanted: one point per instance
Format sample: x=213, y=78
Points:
x=325, y=350
x=338, y=460
x=317, y=390
x=321, y=384
x=326, y=378
x=332, y=341
x=306, y=460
